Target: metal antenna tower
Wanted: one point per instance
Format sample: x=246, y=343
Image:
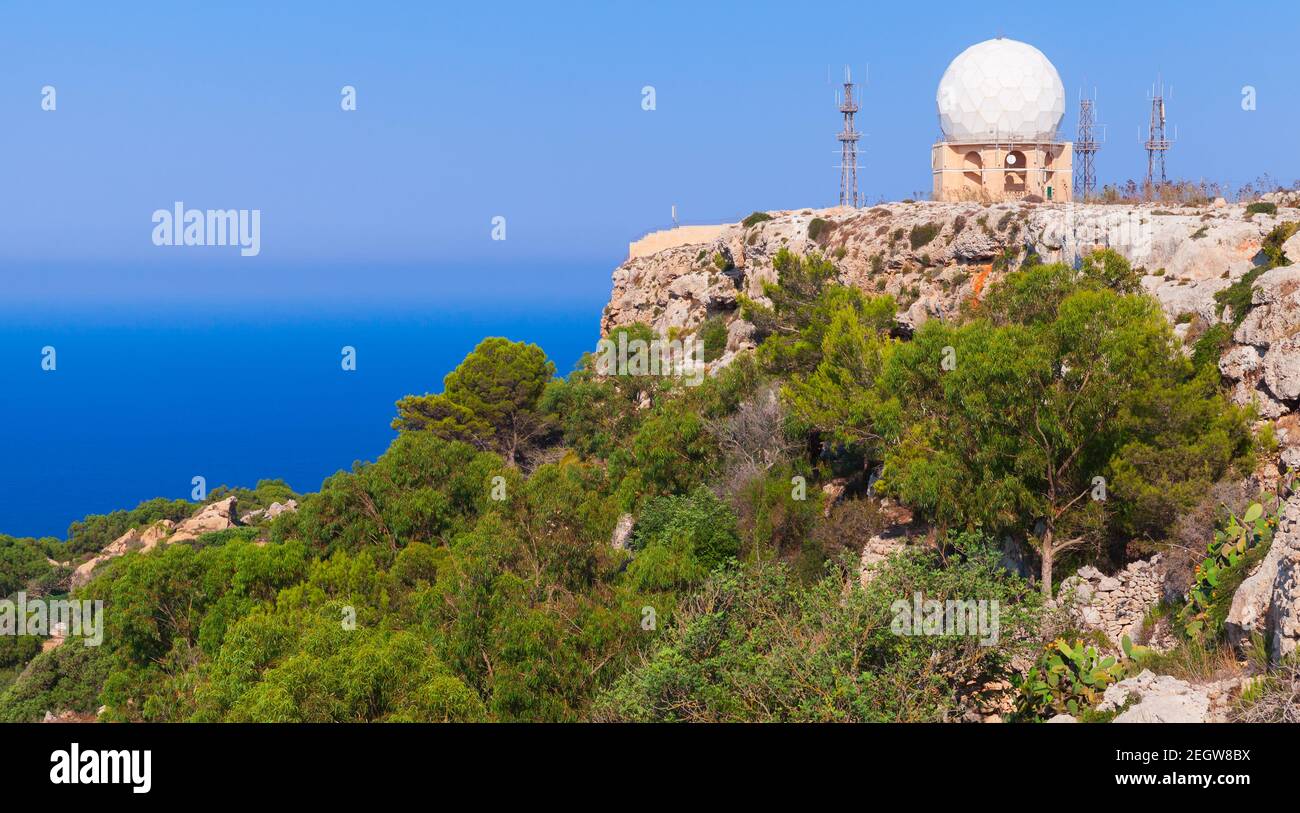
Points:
x=1157, y=144
x=848, y=138
x=1086, y=146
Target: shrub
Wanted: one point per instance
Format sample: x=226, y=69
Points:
x=771, y=522
x=757, y=644
x=755, y=218
x=679, y=540
x=1273, y=242
x=21, y=560
x=64, y=679
x=851, y=522
x=1210, y=346
x=923, y=234
x=1236, y=297
x=817, y=227
x=713, y=333
x=1275, y=699
x=699, y=517
x=1261, y=208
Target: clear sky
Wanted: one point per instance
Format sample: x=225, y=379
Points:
x=532, y=111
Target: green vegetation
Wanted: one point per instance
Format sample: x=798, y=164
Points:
x=615, y=546
x=1061, y=380
x=1066, y=679
x=1237, y=297
x=755, y=218
x=713, y=334
x=755, y=644
x=1261, y=208
x=1238, y=544
x=1209, y=348
x=489, y=401
x=923, y=234
x=96, y=531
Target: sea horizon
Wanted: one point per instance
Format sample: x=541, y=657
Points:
x=146, y=396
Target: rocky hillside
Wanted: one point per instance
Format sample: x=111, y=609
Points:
x=211, y=518
x=932, y=257
x=935, y=257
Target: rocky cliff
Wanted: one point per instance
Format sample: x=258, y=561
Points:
x=932, y=257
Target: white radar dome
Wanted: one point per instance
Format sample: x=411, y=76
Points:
x=1000, y=89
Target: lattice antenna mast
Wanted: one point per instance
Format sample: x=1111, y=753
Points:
x=1157, y=143
x=848, y=138
x=1086, y=145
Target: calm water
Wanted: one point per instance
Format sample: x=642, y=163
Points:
x=141, y=402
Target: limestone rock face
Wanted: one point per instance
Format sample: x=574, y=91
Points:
x=933, y=257
x=272, y=511
x=1250, y=604
x=1282, y=369
x=1240, y=361
x=889, y=541
x=142, y=539
x=1269, y=329
x=622, y=532
x=1160, y=699
x=217, y=516
x=1284, y=604
x=1268, y=600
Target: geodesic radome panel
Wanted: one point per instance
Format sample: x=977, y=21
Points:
x=1000, y=89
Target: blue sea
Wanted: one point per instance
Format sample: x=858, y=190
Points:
x=145, y=398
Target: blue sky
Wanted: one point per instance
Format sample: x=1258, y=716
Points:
x=533, y=111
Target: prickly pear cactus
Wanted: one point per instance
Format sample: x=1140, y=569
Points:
x=1068, y=678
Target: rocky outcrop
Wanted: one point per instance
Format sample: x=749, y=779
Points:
x=892, y=539
x=142, y=539
x=1115, y=605
x=1248, y=615
x=622, y=534
x=1268, y=601
x=1284, y=603
x=1265, y=364
x=272, y=511
x=69, y=717
x=217, y=516
x=934, y=256
x=1165, y=699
